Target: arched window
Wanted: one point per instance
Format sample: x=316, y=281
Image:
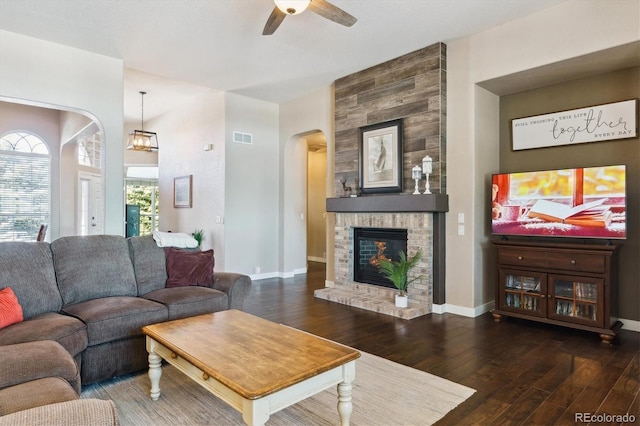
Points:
x=90, y=150
x=25, y=186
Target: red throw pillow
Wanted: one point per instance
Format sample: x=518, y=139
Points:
x=10, y=309
x=189, y=267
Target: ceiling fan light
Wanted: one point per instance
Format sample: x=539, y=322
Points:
x=292, y=7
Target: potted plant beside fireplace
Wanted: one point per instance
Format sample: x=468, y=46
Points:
x=398, y=273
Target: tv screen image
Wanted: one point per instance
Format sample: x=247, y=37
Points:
x=588, y=202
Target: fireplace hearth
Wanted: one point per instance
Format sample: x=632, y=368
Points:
x=370, y=246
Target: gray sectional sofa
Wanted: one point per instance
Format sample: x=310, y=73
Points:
x=93, y=295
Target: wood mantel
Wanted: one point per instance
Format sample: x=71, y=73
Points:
x=393, y=203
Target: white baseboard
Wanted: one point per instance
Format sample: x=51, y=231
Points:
x=628, y=324
x=461, y=310
x=267, y=275
x=264, y=276
x=316, y=259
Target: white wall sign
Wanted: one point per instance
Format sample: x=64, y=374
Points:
x=593, y=124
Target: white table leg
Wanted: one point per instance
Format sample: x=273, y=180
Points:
x=155, y=372
x=345, y=406
x=255, y=412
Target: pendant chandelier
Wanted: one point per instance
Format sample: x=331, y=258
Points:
x=141, y=140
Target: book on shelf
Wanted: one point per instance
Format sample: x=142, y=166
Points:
x=586, y=291
x=592, y=213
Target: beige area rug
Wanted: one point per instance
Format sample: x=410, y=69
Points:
x=385, y=393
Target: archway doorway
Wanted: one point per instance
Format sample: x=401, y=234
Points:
x=65, y=130
x=304, y=218
x=316, y=197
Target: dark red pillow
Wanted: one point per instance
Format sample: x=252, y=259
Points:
x=186, y=267
x=10, y=309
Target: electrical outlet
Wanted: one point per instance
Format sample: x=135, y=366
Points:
x=460, y=229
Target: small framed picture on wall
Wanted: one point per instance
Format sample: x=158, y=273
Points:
x=182, y=193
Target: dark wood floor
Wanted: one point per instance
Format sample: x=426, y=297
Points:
x=525, y=373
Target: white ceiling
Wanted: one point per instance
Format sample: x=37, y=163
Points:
x=175, y=49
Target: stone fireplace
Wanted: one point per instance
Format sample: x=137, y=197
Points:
x=422, y=224
x=411, y=88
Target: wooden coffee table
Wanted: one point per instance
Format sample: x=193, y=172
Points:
x=256, y=366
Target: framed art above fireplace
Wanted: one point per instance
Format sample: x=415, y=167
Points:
x=381, y=157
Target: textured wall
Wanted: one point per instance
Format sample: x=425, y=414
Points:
x=411, y=87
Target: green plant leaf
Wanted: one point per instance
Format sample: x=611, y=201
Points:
x=398, y=271
x=198, y=235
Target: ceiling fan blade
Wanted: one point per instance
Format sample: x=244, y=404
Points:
x=274, y=21
x=331, y=12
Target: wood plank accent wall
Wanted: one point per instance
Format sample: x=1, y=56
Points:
x=411, y=87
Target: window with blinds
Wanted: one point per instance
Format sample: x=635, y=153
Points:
x=25, y=186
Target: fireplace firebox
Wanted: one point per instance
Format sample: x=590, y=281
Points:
x=370, y=245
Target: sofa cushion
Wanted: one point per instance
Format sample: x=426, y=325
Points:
x=27, y=267
x=48, y=390
x=70, y=332
x=149, y=263
x=185, y=302
x=114, y=318
x=185, y=268
x=10, y=309
x=92, y=267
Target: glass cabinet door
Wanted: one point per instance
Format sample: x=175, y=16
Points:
x=576, y=299
x=523, y=291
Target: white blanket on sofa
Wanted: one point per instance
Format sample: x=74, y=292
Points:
x=174, y=239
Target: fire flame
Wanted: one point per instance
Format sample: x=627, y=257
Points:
x=376, y=258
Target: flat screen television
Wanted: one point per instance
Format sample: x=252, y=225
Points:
x=587, y=202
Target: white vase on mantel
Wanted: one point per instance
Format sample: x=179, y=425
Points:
x=402, y=301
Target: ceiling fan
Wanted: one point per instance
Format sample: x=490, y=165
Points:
x=295, y=7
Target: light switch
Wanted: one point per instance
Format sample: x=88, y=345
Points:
x=460, y=229
x=460, y=217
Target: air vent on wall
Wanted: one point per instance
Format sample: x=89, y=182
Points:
x=240, y=137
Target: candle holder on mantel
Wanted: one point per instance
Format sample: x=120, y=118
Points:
x=416, y=174
x=427, y=169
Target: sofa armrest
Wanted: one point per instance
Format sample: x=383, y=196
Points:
x=236, y=286
x=24, y=362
